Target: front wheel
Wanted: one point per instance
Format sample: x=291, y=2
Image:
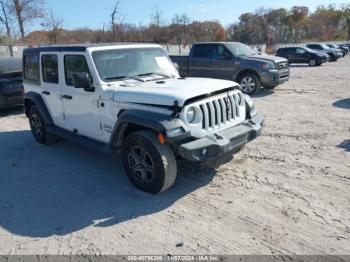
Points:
x=150, y=165
x=250, y=83
x=313, y=62
x=333, y=58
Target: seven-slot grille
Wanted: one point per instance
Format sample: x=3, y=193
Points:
x=220, y=111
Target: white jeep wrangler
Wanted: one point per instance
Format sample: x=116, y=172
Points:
x=129, y=98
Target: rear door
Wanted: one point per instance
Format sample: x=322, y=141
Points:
x=291, y=55
x=52, y=86
x=201, y=62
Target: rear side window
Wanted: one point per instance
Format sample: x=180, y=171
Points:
x=31, y=67
x=204, y=51
x=75, y=64
x=50, y=68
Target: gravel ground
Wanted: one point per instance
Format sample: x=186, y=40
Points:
x=285, y=193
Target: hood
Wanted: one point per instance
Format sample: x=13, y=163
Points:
x=166, y=92
x=265, y=58
x=333, y=49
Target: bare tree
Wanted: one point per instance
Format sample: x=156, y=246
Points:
x=116, y=20
x=27, y=11
x=4, y=17
x=156, y=25
x=53, y=24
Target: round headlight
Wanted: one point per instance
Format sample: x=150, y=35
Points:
x=191, y=115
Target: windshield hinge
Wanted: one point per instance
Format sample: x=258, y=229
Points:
x=176, y=110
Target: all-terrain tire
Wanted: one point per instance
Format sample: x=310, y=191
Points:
x=250, y=83
x=39, y=128
x=143, y=154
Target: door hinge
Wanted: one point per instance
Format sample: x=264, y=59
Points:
x=64, y=116
x=100, y=125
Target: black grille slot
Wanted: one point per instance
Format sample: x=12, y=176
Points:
x=203, y=121
x=216, y=113
x=210, y=116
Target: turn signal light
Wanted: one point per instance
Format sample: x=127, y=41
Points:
x=161, y=138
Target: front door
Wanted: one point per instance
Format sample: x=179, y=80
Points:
x=225, y=66
x=301, y=55
x=81, y=108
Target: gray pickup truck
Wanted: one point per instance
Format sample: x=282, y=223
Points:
x=234, y=61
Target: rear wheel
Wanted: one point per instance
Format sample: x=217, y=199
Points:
x=250, y=83
x=150, y=165
x=39, y=127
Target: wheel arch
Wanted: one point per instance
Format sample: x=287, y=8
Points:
x=247, y=71
x=130, y=121
x=35, y=99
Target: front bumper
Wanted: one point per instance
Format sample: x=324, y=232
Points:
x=226, y=141
x=274, y=78
x=7, y=100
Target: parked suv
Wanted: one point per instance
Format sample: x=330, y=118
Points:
x=302, y=55
x=333, y=53
x=129, y=98
x=11, y=89
x=234, y=61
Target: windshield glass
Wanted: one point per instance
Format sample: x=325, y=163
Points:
x=324, y=46
x=239, y=49
x=119, y=64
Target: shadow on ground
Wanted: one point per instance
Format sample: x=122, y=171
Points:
x=344, y=103
x=263, y=93
x=64, y=188
x=345, y=145
x=300, y=65
x=13, y=111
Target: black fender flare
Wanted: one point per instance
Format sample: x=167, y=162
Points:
x=157, y=122
x=31, y=98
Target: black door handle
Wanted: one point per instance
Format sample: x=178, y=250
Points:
x=67, y=97
x=46, y=93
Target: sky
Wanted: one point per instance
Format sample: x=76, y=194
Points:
x=94, y=13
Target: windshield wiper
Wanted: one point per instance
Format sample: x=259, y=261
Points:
x=123, y=78
x=152, y=73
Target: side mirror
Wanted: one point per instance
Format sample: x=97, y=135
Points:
x=82, y=80
x=225, y=56
x=176, y=66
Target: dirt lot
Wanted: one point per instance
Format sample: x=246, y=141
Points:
x=285, y=193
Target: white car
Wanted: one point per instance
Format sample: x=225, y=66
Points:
x=129, y=99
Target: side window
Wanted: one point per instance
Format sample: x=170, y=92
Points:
x=317, y=47
x=31, y=67
x=204, y=51
x=292, y=50
x=220, y=52
x=75, y=64
x=50, y=68
x=300, y=51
